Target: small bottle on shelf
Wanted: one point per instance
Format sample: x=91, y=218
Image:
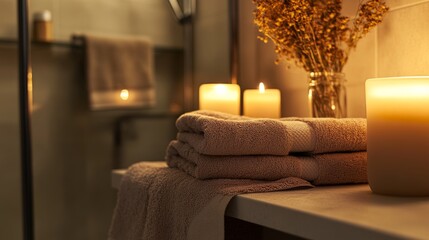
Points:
x=42, y=26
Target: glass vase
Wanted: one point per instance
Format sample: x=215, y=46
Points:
x=327, y=95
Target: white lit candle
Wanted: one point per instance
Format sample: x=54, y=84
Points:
x=398, y=135
x=262, y=102
x=220, y=97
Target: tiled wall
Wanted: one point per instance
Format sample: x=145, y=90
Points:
x=397, y=47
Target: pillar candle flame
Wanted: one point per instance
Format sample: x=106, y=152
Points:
x=261, y=87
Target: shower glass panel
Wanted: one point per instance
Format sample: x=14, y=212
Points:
x=74, y=149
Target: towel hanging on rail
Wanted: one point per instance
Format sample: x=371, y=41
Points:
x=119, y=71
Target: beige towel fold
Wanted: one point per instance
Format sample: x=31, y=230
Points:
x=332, y=168
x=214, y=133
x=265, y=167
x=342, y=168
x=156, y=203
x=337, y=135
x=115, y=64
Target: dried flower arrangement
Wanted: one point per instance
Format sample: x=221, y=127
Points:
x=313, y=33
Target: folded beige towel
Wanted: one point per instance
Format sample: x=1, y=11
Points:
x=329, y=168
x=215, y=133
x=119, y=71
x=165, y=203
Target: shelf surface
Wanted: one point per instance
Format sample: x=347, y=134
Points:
x=335, y=212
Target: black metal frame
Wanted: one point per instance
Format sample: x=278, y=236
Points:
x=24, y=73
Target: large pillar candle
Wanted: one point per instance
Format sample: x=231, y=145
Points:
x=398, y=135
x=220, y=97
x=262, y=102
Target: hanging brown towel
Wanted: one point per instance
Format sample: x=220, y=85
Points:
x=119, y=72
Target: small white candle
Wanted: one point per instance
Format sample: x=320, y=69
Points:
x=220, y=97
x=262, y=102
x=398, y=135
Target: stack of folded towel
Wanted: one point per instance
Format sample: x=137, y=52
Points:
x=214, y=145
x=239, y=155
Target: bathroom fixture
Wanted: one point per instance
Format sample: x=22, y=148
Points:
x=183, y=14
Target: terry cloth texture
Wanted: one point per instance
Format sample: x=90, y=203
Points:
x=214, y=133
x=329, y=168
x=161, y=203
